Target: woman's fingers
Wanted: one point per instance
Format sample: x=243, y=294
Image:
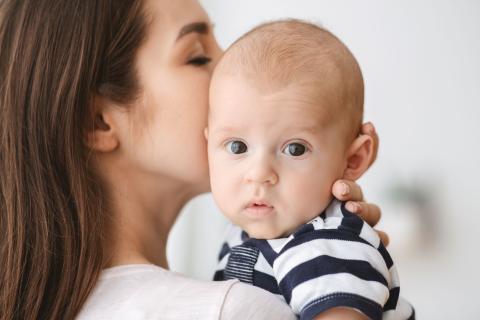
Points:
x=383, y=237
x=351, y=192
x=369, y=212
x=346, y=190
x=369, y=128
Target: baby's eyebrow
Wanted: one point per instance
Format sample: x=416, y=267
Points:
x=305, y=128
x=224, y=129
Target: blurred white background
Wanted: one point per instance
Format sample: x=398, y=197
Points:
x=421, y=64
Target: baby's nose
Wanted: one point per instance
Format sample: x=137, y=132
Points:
x=262, y=173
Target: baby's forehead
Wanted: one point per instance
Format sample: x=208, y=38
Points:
x=291, y=53
x=305, y=103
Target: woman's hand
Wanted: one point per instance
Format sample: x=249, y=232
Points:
x=351, y=192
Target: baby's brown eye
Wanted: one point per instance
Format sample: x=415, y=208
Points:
x=295, y=149
x=236, y=147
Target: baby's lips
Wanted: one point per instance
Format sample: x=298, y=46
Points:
x=259, y=203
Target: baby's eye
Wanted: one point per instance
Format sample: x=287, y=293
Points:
x=236, y=147
x=199, y=61
x=295, y=149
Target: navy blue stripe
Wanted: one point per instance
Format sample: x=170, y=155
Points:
x=392, y=301
x=304, y=229
x=223, y=251
x=326, y=265
x=265, y=249
x=370, y=308
x=219, y=276
x=241, y=262
x=386, y=256
x=265, y=281
x=351, y=221
x=331, y=234
x=323, y=215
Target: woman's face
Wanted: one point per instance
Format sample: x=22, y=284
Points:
x=164, y=133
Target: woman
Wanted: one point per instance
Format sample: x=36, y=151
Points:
x=102, y=109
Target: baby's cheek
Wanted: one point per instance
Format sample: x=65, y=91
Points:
x=313, y=195
x=224, y=189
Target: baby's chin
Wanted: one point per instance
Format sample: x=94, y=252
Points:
x=263, y=234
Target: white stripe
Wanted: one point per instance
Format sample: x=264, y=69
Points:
x=370, y=235
x=334, y=209
x=239, y=265
x=278, y=244
x=403, y=311
x=329, y=223
x=262, y=265
x=341, y=249
x=223, y=263
x=239, y=274
x=341, y=282
x=395, y=281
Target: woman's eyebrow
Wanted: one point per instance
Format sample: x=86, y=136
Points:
x=195, y=27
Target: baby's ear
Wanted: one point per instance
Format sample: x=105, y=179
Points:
x=359, y=156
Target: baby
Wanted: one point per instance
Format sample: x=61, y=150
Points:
x=286, y=108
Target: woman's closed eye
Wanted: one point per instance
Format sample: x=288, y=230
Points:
x=199, y=61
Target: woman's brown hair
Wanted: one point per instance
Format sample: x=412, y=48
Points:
x=56, y=56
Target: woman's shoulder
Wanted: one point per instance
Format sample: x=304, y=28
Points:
x=247, y=302
x=151, y=292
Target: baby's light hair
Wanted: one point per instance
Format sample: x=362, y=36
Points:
x=292, y=52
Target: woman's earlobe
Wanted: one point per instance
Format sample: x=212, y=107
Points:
x=101, y=135
x=359, y=157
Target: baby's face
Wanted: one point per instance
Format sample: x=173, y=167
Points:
x=272, y=158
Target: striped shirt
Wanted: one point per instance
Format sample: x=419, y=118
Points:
x=334, y=260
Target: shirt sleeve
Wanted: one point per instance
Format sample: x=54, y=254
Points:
x=246, y=302
x=337, y=260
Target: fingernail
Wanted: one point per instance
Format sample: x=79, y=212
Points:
x=352, y=207
x=372, y=128
x=345, y=189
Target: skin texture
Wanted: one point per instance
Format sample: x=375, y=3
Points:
x=265, y=189
x=152, y=154
x=274, y=154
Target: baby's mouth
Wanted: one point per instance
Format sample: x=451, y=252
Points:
x=259, y=209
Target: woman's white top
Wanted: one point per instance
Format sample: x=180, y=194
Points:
x=145, y=291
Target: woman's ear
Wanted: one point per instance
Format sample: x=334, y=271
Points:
x=101, y=132
x=359, y=157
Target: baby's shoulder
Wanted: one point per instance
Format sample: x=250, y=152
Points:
x=336, y=223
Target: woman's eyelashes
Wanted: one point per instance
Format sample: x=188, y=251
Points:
x=199, y=61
